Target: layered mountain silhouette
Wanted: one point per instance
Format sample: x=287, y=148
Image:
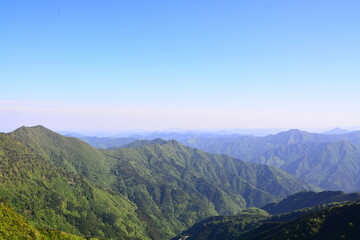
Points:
x=151, y=189
x=330, y=161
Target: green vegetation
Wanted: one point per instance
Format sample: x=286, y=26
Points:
x=51, y=198
x=339, y=222
x=15, y=226
x=226, y=227
x=309, y=199
x=331, y=221
x=71, y=154
x=171, y=186
x=177, y=186
x=328, y=161
x=332, y=166
x=140, y=143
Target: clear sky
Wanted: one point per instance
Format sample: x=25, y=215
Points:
x=116, y=65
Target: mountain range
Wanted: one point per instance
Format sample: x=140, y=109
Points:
x=330, y=161
x=153, y=189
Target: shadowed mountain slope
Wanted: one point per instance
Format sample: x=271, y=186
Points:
x=333, y=220
x=339, y=222
x=309, y=199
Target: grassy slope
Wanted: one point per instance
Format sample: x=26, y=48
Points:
x=52, y=198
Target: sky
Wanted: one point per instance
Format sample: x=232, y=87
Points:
x=81, y=65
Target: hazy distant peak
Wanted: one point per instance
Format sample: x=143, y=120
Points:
x=336, y=131
x=295, y=131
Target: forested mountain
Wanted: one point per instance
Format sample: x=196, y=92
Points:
x=171, y=186
x=52, y=198
x=339, y=222
x=331, y=166
x=309, y=199
x=330, y=161
x=225, y=227
x=140, y=143
x=15, y=226
x=334, y=220
x=185, y=184
x=249, y=147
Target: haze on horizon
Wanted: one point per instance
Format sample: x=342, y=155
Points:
x=155, y=65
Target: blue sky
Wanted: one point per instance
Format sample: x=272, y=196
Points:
x=116, y=65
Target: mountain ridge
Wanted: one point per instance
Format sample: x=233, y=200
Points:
x=172, y=185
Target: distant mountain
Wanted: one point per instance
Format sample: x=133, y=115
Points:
x=331, y=166
x=70, y=134
x=173, y=186
x=336, y=131
x=309, y=199
x=249, y=147
x=107, y=142
x=141, y=143
x=331, y=162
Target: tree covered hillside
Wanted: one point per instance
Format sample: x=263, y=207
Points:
x=52, y=198
x=15, y=226
x=172, y=186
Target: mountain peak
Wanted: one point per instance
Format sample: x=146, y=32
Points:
x=336, y=131
x=38, y=129
x=140, y=143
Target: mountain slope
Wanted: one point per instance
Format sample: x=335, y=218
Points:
x=332, y=166
x=15, y=226
x=339, y=222
x=173, y=186
x=309, y=199
x=249, y=147
x=52, y=198
x=331, y=162
x=187, y=185
x=307, y=223
x=225, y=227
x=69, y=153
